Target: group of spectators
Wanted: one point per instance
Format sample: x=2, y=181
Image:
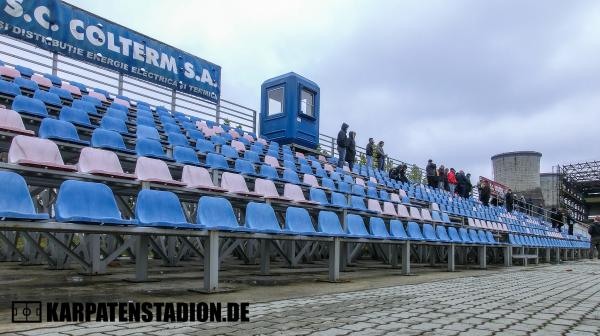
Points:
x=346, y=146
x=443, y=178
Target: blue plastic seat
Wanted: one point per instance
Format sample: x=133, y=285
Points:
x=358, y=190
x=217, y=161
x=429, y=233
x=291, y=176
x=445, y=218
x=372, y=193
x=185, y=155
x=80, y=86
x=145, y=121
x=397, y=230
x=319, y=196
x=75, y=116
x=86, y=106
x=60, y=130
x=25, y=71
x=93, y=100
x=87, y=202
x=102, y=138
x=269, y=172
x=114, y=124
x=453, y=235
x=9, y=88
x=218, y=140
x=31, y=106
x=305, y=169
x=251, y=156
x=169, y=127
x=117, y=106
x=15, y=200
x=246, y=167
x=474, y=236
x=116, y=113
x=358, y=203
x=482, y=237
x=356, y=227
x=414, y=231
x=490, y=238
x=297, y=220
x=344, y=187
x=54, y=79
x=47, y=97
x=329, y=224
x=150, y=148
x=145, y=132
x=339, y=200
x=229, y=152
x=160, y=208
x=27, y=84
x=464, y=236
x=442, y=234
x=61, y=93
x=260, y=217
x=216, y=213
x=176, y=139
x=328, y=183
x=205, y=146
x=377, y=228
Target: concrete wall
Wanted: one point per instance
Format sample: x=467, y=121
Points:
x=518, y=170
x=549, y=184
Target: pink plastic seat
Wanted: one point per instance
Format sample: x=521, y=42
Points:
x=294, y=192
x=478, y=223
x=262, y=141
x=346, y=169
x=435, y=207
x=198, y=178
x=403, y=211
x=272, y=161
x=218, y=129
x=266, y=188
x=402, y=193
x=300, y=155
x=41, y=81
x=11, y=121
x=239, y=146
x=395, y=198
x=373, y=179
x=122, y=102
x=234, y=134
x=236, y=184
x=415, y=214
x=154, y=170
x=322, y=158
x=359, y=181
x=374, y=205
x=208, y=132
x=426, y=215
x=36, y=152
x=248, y=137
x=471, y=222
x=200, y=124
x=484, y=224
x=101, y=162
x=328, y=167
x=389, y=209
x=9, y=72
x=312, y=181
x=97, y=95
x=71, y=88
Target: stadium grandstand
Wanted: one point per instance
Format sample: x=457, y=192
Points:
x=99, y=167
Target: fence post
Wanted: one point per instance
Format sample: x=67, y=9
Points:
x=120, y=84
x=332, y=147
x=173, y=100
x=218, y=111
x=254, y=122
x=55, y=64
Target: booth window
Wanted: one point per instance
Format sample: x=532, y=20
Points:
x=307, y=100
x=275, y=97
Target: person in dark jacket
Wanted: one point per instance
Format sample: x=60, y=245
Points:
x=485, y=193
x=468, y=186
x=380, y=155
x=461, y=183
x=555, y=218
x=442, y=177
x=402, y=174
x=369, y=152
x=342, y=142
x=430, y=170
x=594, y=231
x=395, y=172
x=351, y=149
x=509, y=200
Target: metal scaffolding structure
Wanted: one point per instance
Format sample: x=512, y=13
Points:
x=578, y=182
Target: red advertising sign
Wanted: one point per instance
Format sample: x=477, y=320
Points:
x=498, y=189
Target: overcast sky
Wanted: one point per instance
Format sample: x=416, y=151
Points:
x=455, y=81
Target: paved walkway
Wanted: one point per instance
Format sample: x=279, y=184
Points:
x=554, y=300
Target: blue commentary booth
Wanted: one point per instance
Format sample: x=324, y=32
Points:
x=289, y=110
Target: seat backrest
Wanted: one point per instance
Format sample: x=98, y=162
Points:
x=240, y=147
x=339, y=199
x=116, y=113
x=215, y=211
x=356, y=225
x=474, y=236
x=318, y=195
x=298, y=220
x=359, y=181
x=102, y=138
x=389, y=209
x=293, y=192
x=403, y=211
x=251, y=156
x=113, y=124
x=71, y=88
x=205, y=146
x=310, y=180
x=414, y=230
x=60, y=92
x=358, y=190
x=147, y=132
x=149, y=147
x=270, y=160
x=441, y=232
x=78, y=199
x=194, y=176
x=229, y=152
x=185, y=155
x=178, y=139
x=148, y=168
x=43, y=81
x=233, y=182
x=415, y=214
x=23, y=104
x=374, y=205
x=453, y=234
x=397, y=229
x=94, y=159
x=265, y=188
x=291, y=176
x=377, y=227
x=329, y=222
x=244, y=166
x=14, y=195
x=216, y=161
x=482, y=236
x=327, y=183
x=261, y=216
x=154, y=206
x=429, y=232
x=34, y=149
x=9, y=72
x=357, y=202
x=11, y=119
x=74, y=115
x=425, y=215
x=57, y=129
x=269, y=171
x=464, y=235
